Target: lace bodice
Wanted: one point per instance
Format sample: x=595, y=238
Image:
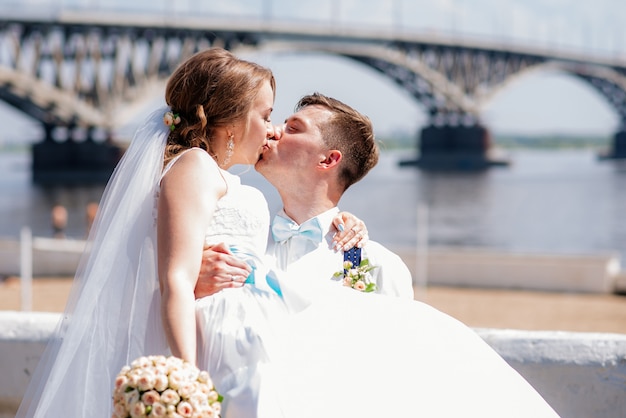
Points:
x=241, y=218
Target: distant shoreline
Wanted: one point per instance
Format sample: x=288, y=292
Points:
x=407, y=141
x=552, y=141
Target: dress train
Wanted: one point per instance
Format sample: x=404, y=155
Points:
x=332, y=351
x=368, y=355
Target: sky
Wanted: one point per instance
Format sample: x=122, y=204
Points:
x=536, y=103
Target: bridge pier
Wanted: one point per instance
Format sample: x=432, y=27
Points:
x=618, y=151
x=454, y=148
x=71, y=162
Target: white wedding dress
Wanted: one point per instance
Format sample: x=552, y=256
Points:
x=281, y=348
x=278, y=347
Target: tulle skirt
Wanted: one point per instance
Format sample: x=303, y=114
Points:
x=329, y=351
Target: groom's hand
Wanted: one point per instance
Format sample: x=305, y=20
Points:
x=220, y=270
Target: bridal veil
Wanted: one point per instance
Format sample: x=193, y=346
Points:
x=113, y=312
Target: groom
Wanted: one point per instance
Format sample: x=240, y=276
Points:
x=324, y=148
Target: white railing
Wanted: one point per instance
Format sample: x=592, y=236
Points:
x=29, y=257
x=420, y=275
x=26, y=269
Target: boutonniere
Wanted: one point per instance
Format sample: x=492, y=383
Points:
x=358, y=277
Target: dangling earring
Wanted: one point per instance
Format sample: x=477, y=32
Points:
x=230, y=146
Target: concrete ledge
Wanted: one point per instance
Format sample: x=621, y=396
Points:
x=23, y=337
x=50, y=257
x=579, y=374
x=472, y=267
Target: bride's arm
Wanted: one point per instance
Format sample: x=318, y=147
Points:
x=189, y=193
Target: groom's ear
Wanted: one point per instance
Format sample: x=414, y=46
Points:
x=333, y=158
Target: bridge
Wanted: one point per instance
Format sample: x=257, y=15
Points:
x=83, y=73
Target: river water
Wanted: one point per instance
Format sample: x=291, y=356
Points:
x=564, y=201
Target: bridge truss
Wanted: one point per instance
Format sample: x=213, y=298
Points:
x=80, y=77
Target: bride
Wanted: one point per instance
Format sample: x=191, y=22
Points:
x=113, y=313
x=274, y=347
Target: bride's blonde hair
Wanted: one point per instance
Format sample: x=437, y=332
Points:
x=211, y=89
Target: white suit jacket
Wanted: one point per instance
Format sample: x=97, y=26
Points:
x=297, y=255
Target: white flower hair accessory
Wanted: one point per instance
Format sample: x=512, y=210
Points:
x=171, y=119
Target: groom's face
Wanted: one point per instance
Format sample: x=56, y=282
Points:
x=294, y=156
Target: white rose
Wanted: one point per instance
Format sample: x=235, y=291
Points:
x=174, y=362
x=213, y=396
x=146, y=380
x=191, y=371
x=159, y=361
x=198, y=402
x=175, y=379
x=158, y=410
x=170, y=397
x=133, y=378
x=131, y=397
x=150, y=397
x=186, y=389
x=184, y=409
x=204, y=377
x=137, y=410
x=204, y=389
x=120, y=381
x=118, y=396
x=160, y=382
x=140, y=362
x=119, y=410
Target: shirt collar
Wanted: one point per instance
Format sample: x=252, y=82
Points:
x=325, y=218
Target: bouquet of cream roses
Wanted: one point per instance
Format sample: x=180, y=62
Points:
x=159, y=386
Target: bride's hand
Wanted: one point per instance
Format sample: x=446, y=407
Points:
x=220, y=270
x=351, y=231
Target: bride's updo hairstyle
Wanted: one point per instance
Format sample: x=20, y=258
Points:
x=211, y=89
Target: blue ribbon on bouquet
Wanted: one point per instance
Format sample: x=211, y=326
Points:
x=270, y=279
x=252, y=261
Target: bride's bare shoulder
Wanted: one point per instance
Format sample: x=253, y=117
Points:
x=193, y=166
x=192, y=160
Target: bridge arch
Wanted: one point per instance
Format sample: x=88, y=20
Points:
x=92, y=70
x=565, y=104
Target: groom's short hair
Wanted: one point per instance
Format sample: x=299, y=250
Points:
x=348, y=131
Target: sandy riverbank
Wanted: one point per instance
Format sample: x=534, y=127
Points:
x=482, y=308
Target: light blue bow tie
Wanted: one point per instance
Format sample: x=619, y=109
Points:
x=283, y=229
